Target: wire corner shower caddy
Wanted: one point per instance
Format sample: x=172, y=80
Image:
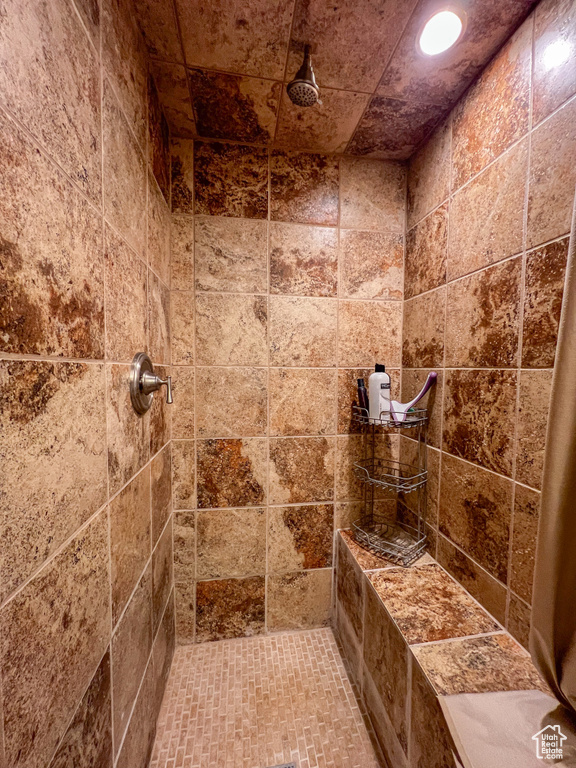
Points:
x=396, y=540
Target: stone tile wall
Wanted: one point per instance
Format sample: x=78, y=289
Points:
x=489, y=203
x=86, y=597
x=287, y=285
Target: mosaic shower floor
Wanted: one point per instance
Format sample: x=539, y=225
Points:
x=259, y=702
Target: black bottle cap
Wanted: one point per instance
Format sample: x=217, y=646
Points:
x=380, y=368
x=361, y=383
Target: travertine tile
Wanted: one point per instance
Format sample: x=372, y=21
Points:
x=429, y=174
x=299, y=600
x=157, y=19
x=229, y=608
x=304, y=188
x=126, y=300
x=174, y=96
x=185, y=547
x=534, y=403
x=162, y=575
x=371, y=265
x=475, y=513
x=230, y=255
x=124, y=61
x=365, y=559
x=163, y=653
x=158, y=244
x=524, y=533
x=349, y=450
x=554, y=31
x=544, y=288
x=392, y=128
x=231, y=473
x=45, y=64
x=369, y=333
x=348, y=396
x=494, y=113
x=519, y=615
x=182, y=327
x=128, y=433
x=428, y=605
x=477, y=665
x=430, y=741
x=302, y=401
x=88, y=739
x=231, y=329
x=158, y=146
x=45, y=673
x=326, y=128
x=301, y=469
x=131, y=646
x=425, y=257
x=349, y=585
x=302, y=331
x=139, y=739
x=184, y=402
x=228, y=38
x=486, y=216
x=386, y=737
x=303, y=260
x=482, y=318
x=386, y=660
x=234, y=107
x=130, y=539
x=53, y=269
x=158, y=320
x=230, y=180
x=160, y=491
x=423, y=330
x=185, y=596
x=231, y=402
x=160, y=416
x=487, y=590
x=372, y=194
x=552, y=157
x=304, y=674
x=183, y=474
x=52, y=417
x=231, y=542
x=300, y=537
x=182, y=176
x=479, y=417
x=125, y=177
x=182, y=253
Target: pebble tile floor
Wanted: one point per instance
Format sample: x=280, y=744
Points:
x=259, y=702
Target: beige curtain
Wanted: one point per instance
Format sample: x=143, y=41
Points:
x=553, y=632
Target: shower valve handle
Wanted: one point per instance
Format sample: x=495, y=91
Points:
x=150, y=382
x=144, y=382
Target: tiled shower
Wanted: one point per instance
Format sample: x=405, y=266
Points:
x=172, y=584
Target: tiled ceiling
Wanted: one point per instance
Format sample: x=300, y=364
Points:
x=220, y=67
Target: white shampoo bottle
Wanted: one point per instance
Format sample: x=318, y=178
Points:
x=379, y=393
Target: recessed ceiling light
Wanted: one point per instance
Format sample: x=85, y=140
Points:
x=441, y=32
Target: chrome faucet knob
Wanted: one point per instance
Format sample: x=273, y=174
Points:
x=144, y=382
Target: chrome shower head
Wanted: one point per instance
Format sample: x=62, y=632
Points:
x=303, y=90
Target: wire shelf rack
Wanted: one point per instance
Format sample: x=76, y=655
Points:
x=388, y=473
x=414, y=418
x=396, y=541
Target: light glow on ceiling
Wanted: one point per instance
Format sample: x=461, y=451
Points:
x=556, y=53
x=440, y=32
